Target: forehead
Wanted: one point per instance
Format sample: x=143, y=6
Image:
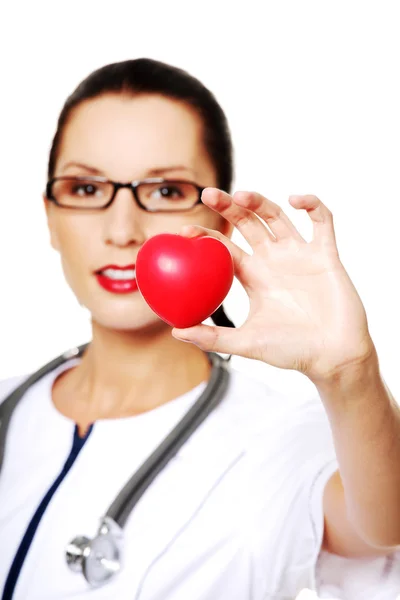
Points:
x=124, y=136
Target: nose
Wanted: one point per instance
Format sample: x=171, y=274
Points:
x=123, y=221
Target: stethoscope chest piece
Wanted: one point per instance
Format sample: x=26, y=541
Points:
x=98, y=558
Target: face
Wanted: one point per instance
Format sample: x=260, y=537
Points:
x=125, y=139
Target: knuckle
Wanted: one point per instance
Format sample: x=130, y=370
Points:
x=275, y=212
x=243, y=219
x=242, y=195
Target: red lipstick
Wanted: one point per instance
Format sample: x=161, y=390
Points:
x=113, y=279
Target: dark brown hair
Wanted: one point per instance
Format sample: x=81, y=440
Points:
x=147, y=76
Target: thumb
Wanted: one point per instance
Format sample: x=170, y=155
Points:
x=210, y=338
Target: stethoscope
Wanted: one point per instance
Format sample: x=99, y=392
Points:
x=101, y=558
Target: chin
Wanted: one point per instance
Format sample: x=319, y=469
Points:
x=125, y=313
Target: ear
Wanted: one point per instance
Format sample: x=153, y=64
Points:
x=49, y=208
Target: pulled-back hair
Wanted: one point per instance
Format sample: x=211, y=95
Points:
x=147, y=76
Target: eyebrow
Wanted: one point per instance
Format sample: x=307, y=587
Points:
x=82, y=166
x=161, y=170
x=151, y=172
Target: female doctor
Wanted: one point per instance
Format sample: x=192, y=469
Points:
x=268, y=495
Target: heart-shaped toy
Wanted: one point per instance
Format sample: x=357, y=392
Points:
x=184, y=280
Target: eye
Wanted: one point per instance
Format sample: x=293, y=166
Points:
x=83, y=189
x=169, y=191
x=168, y=195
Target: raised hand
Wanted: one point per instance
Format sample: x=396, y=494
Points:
x=305, y=313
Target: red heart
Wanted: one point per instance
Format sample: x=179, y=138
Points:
x=184, y=280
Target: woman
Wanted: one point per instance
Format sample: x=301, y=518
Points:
x=257, y=493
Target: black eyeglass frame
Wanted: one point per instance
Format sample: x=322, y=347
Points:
x=133, y=185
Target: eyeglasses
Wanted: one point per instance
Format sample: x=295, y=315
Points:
x=97, y=193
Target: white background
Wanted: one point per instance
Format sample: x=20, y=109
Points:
x=311, y=90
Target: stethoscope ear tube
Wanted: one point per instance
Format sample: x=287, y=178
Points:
x=10, y=403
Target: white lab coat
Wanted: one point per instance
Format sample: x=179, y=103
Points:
x=236, y=515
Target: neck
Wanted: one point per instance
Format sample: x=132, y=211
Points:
x=127, y=373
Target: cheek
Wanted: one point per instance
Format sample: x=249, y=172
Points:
x=76, y=243
x=205, y=217
x=174, y=222
x=216, y=222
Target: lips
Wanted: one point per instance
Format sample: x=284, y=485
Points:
x=117, y=279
